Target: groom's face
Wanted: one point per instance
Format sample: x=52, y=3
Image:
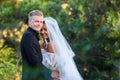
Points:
x=36, y=22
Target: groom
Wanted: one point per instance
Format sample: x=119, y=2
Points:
x=32, y=67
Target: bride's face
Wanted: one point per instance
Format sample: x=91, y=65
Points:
x=44, y=32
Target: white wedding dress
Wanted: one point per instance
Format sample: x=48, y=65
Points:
x=68, y=70
x=62, y=59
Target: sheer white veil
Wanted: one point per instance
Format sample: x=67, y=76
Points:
x=59, y=43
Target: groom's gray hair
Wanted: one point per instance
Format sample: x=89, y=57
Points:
x=35, y=13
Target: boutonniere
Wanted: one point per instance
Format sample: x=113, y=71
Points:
x=39, y=35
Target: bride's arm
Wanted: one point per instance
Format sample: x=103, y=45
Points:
x=49, y=59
x=50, y=48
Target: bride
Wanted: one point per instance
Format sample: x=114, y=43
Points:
x=57, y=54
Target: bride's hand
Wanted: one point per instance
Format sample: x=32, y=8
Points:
x=41, y=43
x=55, y=75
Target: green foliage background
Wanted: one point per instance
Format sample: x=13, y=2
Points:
x=91, y=27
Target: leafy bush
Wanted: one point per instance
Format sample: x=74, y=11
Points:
x=8, y=69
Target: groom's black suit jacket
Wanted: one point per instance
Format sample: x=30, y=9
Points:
x=32, y=68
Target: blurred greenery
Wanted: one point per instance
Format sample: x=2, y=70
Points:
x=91, y=27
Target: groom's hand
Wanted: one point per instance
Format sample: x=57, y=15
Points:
x=55, y=74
